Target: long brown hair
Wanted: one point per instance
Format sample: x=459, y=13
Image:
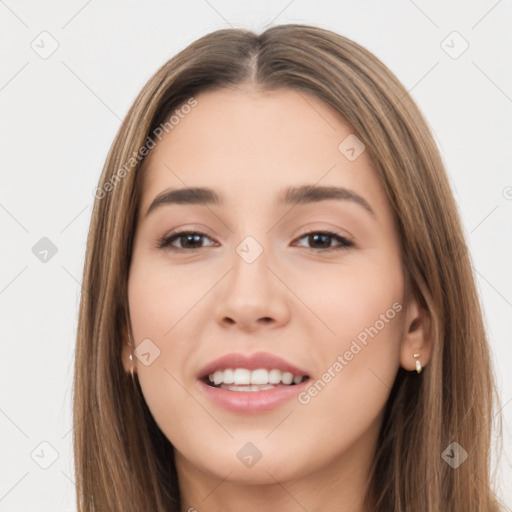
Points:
x=122, y=459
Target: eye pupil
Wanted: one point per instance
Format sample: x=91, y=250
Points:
x=315, y=236
x=192, y=236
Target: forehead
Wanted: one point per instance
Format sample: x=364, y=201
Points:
x=249, y=145
x=284, y=121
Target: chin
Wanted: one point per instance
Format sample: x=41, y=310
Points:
x=234, y=464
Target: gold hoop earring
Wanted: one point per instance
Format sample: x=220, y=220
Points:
x=418, y=364
x=130, y=356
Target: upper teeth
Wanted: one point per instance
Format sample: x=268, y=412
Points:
x=260, y=376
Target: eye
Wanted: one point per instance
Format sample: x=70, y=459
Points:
x=191, y=239
x=324, y=239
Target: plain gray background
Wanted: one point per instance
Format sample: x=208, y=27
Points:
x=59, y=113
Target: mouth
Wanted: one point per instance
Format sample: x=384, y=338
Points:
x=251, y=383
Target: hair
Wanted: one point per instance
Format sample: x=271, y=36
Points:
x=123, y=461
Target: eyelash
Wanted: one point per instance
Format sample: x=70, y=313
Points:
x=165, y=241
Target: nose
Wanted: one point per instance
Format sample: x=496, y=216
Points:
x=253, y=296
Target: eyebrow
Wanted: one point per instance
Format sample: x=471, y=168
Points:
x=304, y=194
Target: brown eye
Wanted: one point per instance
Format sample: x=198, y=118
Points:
x=188, y=240
x=324, y=239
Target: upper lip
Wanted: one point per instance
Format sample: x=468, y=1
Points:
x=250, y=362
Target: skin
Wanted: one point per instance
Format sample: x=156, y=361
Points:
x=296, y=300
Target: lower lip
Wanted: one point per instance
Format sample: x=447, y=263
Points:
x=252, y=401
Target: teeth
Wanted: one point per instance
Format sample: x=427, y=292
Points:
x=287, y=378
x=228, y=377
x=259, y=378
x=230, y=387
x=274, y=376
x=241, y=376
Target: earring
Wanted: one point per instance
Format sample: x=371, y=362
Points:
x=130, y=356
x=418, y=364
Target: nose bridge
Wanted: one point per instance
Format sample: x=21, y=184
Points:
x=252, y=292
x=250, y=262
x=254, y=251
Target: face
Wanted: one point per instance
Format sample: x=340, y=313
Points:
x=313, y=288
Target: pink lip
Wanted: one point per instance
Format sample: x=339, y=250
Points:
x=252, y=401
x=251, y=362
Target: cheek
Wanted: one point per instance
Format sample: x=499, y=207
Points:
x=349, y=297
x=159, y=300
x=359, y=335
x=163, y=296
x=363, y=308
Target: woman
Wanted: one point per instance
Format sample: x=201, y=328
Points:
x=279, y=308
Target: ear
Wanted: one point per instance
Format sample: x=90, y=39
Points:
x=417, y=337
